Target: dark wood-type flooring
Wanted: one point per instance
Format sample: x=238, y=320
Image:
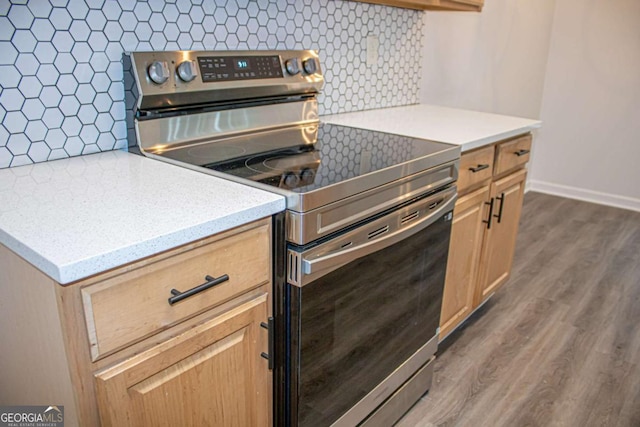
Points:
x=559, y=344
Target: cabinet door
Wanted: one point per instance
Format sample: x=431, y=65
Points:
x=211, y=375
x=500, y=239
x=464, y=257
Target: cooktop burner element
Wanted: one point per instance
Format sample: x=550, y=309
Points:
x=281, y=169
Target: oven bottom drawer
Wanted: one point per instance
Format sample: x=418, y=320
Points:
x=396, y=394
x=403, y=399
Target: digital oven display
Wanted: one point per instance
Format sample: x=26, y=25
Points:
x=226, y=68
x=242, y=64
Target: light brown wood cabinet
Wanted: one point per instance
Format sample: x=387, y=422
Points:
x=444, y=5
x=212, y=375
x=485, y=226
x=464, y=256
x=499, y=243
x=117, y=353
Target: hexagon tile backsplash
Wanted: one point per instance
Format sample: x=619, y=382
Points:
x=61, y=77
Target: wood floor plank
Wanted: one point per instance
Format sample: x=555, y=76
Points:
x=506, y=398
x=559, y=344
x=630, y=412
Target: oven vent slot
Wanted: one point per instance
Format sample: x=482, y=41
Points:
x=409, y=217
x=294, y=267
x=378, y=232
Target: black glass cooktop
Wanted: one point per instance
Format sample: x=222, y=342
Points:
x=304, y=159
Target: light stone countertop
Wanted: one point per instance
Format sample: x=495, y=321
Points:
x=76, y=217
x=469, y=129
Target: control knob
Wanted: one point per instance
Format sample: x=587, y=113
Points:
x=187, y=71
x=293, y=66
x=307, y=176
x=291, y=180
x=158, y=72
x=310, y=65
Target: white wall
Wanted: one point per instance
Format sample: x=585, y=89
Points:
x=589, y=146
x=492, y=61
x=575, y=64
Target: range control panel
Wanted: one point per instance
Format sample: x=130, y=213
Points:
x=173, y=79
x=221, y=68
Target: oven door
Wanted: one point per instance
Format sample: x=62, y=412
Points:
x=363, y=311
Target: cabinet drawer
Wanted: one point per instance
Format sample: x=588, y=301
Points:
x=475, y=167
x=512, y=154
x=129, y=307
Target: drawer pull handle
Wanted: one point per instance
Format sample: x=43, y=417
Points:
x=501, y=198
x=521, y=152
x=271, y=343
x=479, y=168
x=210, y=283
x=488, y=220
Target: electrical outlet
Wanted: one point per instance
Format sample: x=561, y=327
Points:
x=373, y=44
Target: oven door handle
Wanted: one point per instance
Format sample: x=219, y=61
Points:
x=351, y=253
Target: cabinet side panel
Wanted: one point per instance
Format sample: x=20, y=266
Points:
x=33, y=361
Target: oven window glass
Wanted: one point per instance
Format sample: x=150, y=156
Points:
x=360, y=322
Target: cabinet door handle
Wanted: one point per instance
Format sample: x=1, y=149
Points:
x=210, y=283
x=269, y=356
x=521, y=152
x=501, y=198
x=479, y=168
x=488, y=220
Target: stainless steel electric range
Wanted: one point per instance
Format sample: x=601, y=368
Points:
x=361, y=251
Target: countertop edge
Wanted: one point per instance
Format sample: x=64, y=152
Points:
x=69, y=273
x=29, y=255
x=472, y=145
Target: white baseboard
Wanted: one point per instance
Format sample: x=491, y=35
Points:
x=527, y=186
x=585, y=195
